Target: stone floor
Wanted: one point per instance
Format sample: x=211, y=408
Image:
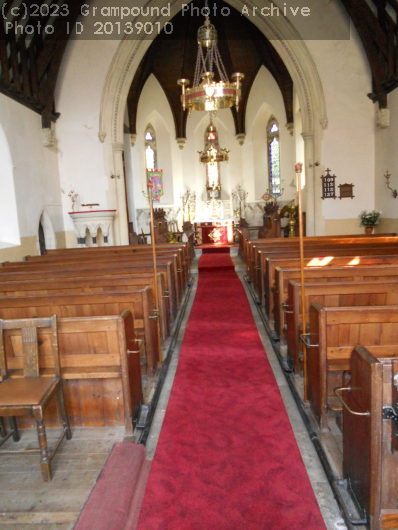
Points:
x=28, y=503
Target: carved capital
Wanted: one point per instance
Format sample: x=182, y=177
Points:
x=102, y=136
x=383, y=118
x=118, y=147
x=181, y=142
x=133, y=139
x=307, y=136
x=241, y=138
x=290, y=128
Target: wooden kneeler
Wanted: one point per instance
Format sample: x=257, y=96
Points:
x=29, y=392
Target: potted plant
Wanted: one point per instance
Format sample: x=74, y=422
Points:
x=369, y=220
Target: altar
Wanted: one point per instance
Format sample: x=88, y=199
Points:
x=214, y=232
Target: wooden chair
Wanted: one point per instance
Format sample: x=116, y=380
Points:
x=31, y=393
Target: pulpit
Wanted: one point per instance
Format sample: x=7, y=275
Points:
x=214, y=232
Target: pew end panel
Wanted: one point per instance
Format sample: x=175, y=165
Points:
x=316, y=359
x=370, y=459
x=335, y=294
x=101, y=381
x=336, y=331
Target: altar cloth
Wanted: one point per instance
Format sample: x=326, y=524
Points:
x=214, y=232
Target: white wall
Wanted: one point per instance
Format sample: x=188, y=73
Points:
x=348, y=146
x=78, y=99
x=34, y=172
x=387, y=160
x=9, y=228
x=265, y=100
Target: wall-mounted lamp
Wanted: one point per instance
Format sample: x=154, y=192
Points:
x=317, y=163
x=387, y=177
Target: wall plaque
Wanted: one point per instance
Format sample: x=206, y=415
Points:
x=328, y=185
x=346, y=191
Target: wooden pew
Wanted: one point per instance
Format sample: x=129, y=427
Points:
x=278, y=242
x=72, y=284
x=101, y=380
x=144, y=270
x=339, y=294
x=293, y=243
x=334, y=332
x=139, y=251
x=101, y=264
x=322, y=275
x=370, y=457
x=316, y=252
x=139, y=302
x=120, y=248
x=324, y=262
x=182, y=265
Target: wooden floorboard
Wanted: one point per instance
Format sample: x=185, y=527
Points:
x=26, y=502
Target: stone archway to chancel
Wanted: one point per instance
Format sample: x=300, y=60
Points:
x=297, y=59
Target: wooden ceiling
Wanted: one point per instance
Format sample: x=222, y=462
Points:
x=29, y=57
x=242, y=46
x=29, y=64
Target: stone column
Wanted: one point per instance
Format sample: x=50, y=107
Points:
x=121, y=220
x=309, y=183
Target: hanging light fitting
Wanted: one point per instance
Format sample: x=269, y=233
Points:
x=207, y=94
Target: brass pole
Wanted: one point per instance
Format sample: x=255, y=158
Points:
x=153, y=242
x=299, y=168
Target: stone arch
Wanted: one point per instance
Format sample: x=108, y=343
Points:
x=291, y=49
x=9, y=226
x=49, y=234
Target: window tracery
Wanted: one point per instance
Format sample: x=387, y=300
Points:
x=273, y=145
x=150, y=148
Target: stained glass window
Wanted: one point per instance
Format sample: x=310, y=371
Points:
x=273, y=156
x=150, y=148
x=150, y=158
x=212, y=170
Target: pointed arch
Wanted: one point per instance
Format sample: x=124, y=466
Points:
x=292, y=51
x=48, y=230
x=9, y=225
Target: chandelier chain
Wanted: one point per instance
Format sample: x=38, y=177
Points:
x=220, y=66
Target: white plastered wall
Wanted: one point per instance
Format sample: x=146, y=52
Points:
x=265, y=100
x=348, y=146
x=387, y=160
x=35, y=181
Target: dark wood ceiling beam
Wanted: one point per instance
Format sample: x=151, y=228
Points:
x=379, y=36
x=29, y=73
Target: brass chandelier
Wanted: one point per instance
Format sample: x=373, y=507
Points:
x=212, y=155
x=206, y=93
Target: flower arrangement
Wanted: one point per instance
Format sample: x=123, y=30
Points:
x=370, y=219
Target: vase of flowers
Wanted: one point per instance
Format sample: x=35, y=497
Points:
x=369, y=220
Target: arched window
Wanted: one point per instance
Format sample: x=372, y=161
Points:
x=213, y=169
x=273, y=156
x=150, y=148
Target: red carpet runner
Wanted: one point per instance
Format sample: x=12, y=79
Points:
x=227, y=458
